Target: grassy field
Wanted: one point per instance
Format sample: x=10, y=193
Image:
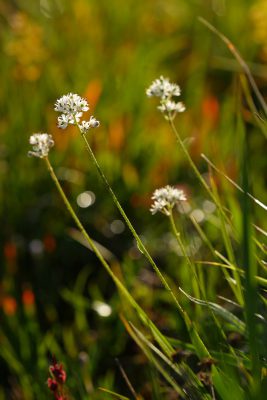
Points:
x=166, y=306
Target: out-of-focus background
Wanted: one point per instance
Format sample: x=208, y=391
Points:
x=55, y=298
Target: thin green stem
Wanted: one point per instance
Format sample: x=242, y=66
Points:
x=193, y=165
x=236, y=286
x=210, y=163
x=76, y=219
x=201, y=349
x=239, y=59
x=238, y=292
x=191, y=162
x=118, y=283
x=200, y=284
x=140, y=244
x=184, y=252
x=217, y=255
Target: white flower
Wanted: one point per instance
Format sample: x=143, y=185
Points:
x=165, y=199
x=166, y=90
x=63, y=121
x=163, y=88
x=160, y=206
x=170, y=106
x=41, y=144
x=71, y=104
x=93, y=123
x=86, y=125
x=72, y=107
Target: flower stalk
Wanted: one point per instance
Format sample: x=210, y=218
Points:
x=145, y=319
x=71, y=107
x=166, y=90
x=140, y=244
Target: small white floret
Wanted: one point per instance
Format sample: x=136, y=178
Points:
x=171, y=107
x=41, y=144
x=86, y=125
x=163, y=88
x=166, y=198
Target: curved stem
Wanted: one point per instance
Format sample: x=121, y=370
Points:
x=223, y=217
x=239, y=59
x=140, y=244
x=162, y=341
x=92, y=245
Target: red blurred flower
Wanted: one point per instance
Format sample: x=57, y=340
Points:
x=52, y=384
x=57, y=380
x=210, y=109
x=10, y=251
x=9, y=305
x=58, y=372
x=28, y=298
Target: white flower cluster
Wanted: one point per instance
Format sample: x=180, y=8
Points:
x=41, y=144
x=72, y=107
x=163, y=88
x=165, y=199
x=171, y=107
x=166, y=90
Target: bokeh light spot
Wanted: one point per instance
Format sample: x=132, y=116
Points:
x=102, y=309
x=209, y=207
x=117, y=226
x=85, y=199
x=36, y=247
x=198, y=215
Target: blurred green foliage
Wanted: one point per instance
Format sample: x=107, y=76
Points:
x=109, y=52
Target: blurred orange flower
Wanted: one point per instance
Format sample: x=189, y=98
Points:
x=210, y=109
x=28, y=298
x=9, y=305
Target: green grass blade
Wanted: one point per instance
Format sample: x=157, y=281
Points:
x=219, y=310
x=250, y=270
x=116, y=395
x=152, y=359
